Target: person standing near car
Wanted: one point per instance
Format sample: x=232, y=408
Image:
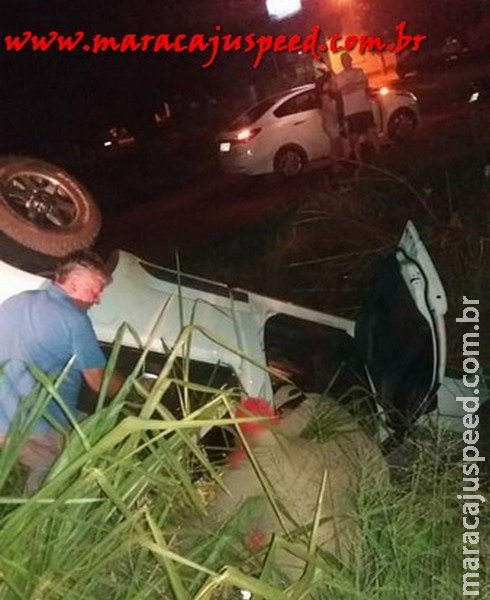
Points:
x=331, y=110
x=353, y=85
x=45, y=329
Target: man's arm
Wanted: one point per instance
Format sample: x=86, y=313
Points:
x=94, y=378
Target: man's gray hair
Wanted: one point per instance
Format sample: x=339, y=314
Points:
x=81, y=259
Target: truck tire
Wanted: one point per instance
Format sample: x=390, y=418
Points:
x=44, y=209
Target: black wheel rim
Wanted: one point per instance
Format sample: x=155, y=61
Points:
x=291, y=163
x=40, y=199
x=404, y=125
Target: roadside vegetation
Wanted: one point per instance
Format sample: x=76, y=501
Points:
x=123, y=514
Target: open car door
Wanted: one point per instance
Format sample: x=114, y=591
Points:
x=401, y=333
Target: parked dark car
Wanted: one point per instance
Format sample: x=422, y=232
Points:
x=117, y=138
x=432, y=56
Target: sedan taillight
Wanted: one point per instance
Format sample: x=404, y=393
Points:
x=245, y=135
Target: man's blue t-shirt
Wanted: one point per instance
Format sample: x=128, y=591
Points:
x=44, y=328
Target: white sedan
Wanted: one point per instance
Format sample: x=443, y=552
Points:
x=283, y=133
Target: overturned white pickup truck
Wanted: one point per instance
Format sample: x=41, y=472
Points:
x=396, y=351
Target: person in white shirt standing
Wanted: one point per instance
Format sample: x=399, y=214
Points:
x=353, y=85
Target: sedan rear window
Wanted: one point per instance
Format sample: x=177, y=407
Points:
x=253, y=113
x=300, y=103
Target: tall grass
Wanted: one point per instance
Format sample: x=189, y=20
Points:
x=122, y=515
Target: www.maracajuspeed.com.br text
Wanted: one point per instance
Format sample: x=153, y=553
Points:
x=210, y=46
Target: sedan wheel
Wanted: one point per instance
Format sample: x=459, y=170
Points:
x=290, y=162
x=402, y=124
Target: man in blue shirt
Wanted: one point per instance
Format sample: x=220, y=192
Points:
x=46, y=329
